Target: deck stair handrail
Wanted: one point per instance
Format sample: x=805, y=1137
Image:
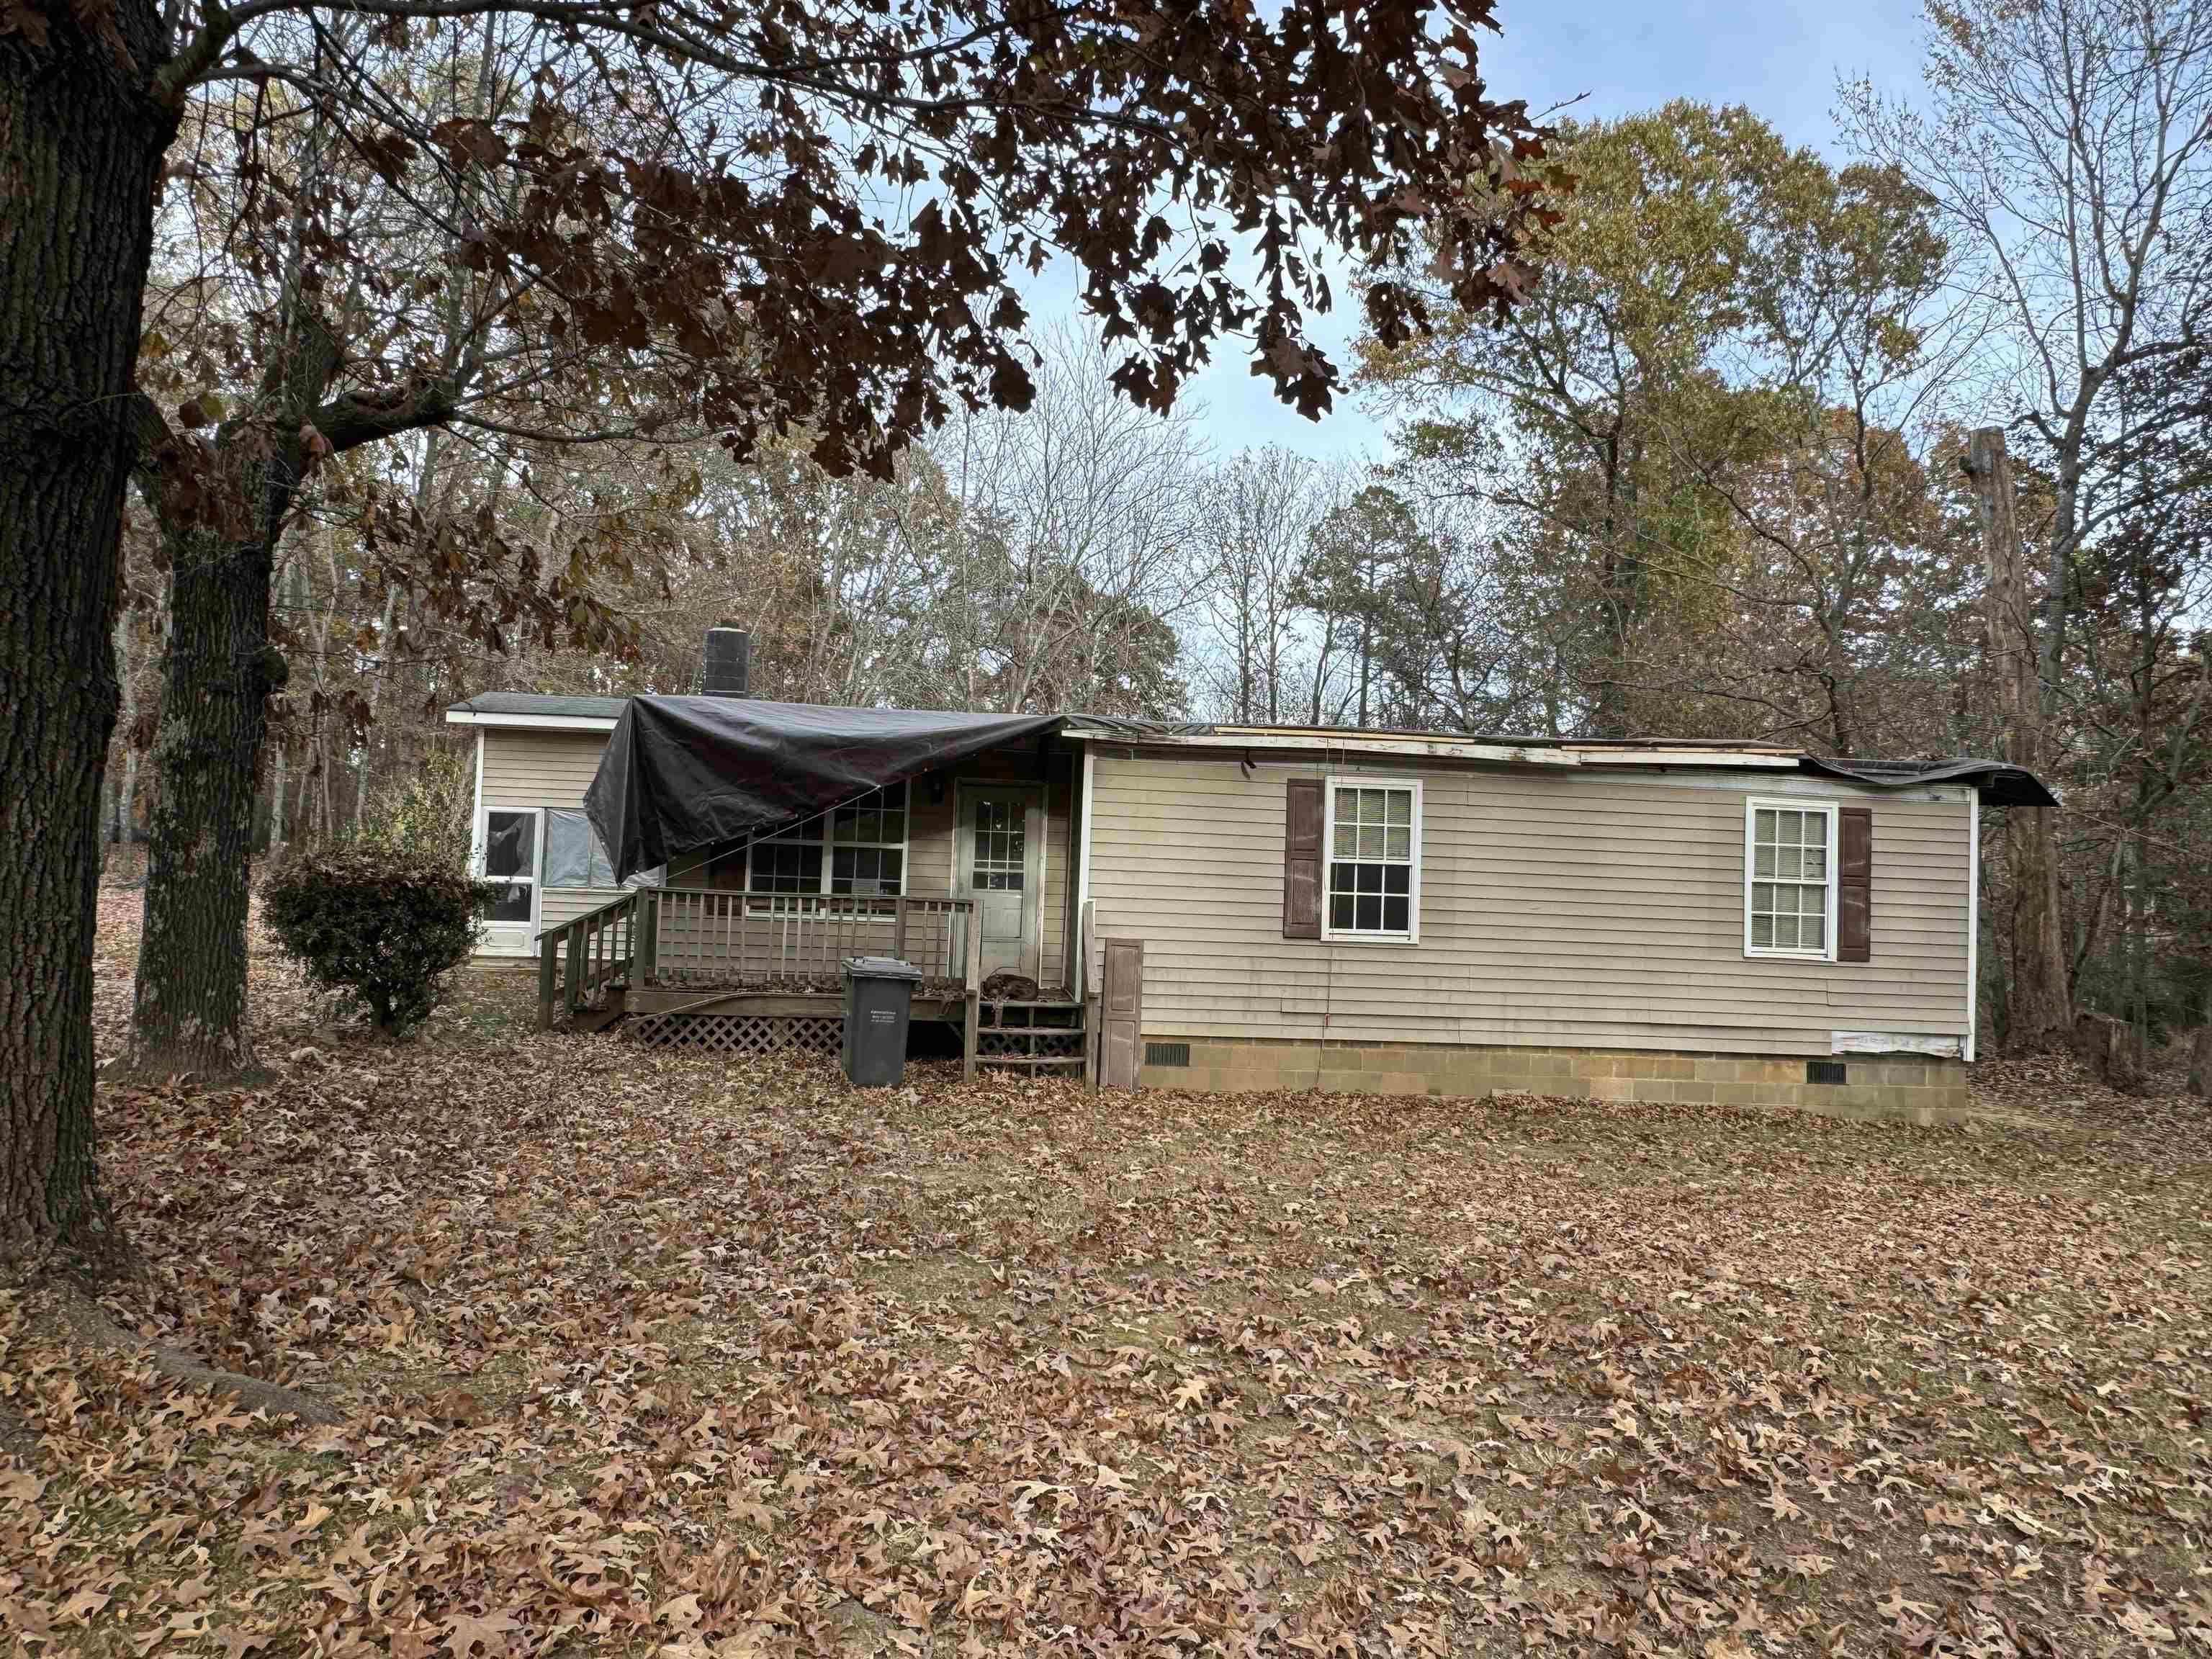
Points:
x=579, y=958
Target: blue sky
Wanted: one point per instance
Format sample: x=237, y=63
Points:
x=1781, y=58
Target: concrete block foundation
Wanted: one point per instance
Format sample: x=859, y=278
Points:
x=1916, y=1088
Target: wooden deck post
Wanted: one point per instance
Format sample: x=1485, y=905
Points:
x=548, y=975
x=898, y=926
x=575, y=969
x=973, y=1014
x=645, y=936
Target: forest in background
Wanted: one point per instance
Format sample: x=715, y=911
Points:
x=1706, y=480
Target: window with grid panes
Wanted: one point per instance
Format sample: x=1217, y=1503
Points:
x=859, y=848
x=867, y=844
x=1789, y=900
x=1374, y=840
x=1000, y=846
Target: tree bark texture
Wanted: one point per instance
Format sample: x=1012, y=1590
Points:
x=80, y=150
x=2041, y=1012
x=188, y=1010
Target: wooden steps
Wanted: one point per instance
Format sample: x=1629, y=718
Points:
x=614, y=1004
x=1034, y=1035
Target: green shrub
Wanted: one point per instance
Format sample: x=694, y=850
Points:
x=432, y=812
x=388, y=923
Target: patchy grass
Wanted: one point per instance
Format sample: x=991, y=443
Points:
x=660, y=1354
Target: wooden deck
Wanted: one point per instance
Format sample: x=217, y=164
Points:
x=752, y=959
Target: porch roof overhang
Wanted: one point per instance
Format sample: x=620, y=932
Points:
x=682, y=773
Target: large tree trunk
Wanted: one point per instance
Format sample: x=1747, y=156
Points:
x=2042, y=1010
x=188, y=1008
x=2042, y=1015
x=188, y=1012
x=80, y=148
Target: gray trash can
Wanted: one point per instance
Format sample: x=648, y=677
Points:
x=878, y=1000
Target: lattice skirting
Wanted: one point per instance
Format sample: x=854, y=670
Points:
x=742, y=1033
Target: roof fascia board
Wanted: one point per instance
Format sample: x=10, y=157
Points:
x=539, y=722
x=1729, y=757
x=1444, y=749
x=1440, y=749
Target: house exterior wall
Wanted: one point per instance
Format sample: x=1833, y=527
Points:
x=933, y=837
x=1568, y=911
x=545, y=769
x=525, y=767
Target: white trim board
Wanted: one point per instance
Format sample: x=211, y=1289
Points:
x=1350, y=744
x=1973, y=922
x=532, y=722
x=1083, y=875
x=1897, y=1043
x=1774, y=775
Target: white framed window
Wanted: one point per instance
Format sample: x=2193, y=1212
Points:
x=1790, y=880
x=1372, y=834
x=860, y=848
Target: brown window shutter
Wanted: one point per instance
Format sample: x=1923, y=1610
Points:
x=1855, y=884
x=1302, y=858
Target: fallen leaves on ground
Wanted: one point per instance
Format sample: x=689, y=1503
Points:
x=660, y=1354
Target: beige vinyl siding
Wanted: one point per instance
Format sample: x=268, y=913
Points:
x=1597, y=909
x=933, y=837
x=525, y=767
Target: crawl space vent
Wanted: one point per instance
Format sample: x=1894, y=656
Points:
x=1824, y=1071
x=1167, y=1053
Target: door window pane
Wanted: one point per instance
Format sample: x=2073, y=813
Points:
x=510, y=903
x=510, y=844
x=999, y=830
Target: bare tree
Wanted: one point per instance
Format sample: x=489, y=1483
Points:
x=2067, y=152
x=1072, y=558
x=1256, y=538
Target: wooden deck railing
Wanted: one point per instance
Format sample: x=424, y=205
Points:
x=799, y=941
x=588, y=953
x=709, y=939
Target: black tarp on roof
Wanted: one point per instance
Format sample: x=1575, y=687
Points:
x=2001, y=784
x=681, y=774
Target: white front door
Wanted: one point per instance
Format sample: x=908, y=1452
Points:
x=1001, y=849
x=510, y=851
